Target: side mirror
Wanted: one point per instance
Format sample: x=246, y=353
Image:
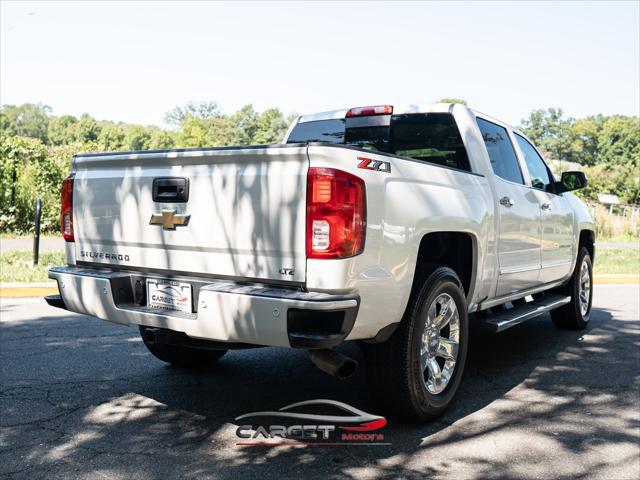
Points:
x=572, y=181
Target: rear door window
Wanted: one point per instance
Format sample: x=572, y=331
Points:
x=430, y=137
x=501, y=153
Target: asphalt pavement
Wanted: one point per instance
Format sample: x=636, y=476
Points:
x=82, y=398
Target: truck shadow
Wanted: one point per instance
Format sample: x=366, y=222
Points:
x=527, y=387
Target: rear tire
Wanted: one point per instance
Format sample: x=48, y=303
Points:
x=575, y=315
x=182, y=356
x=416, y=373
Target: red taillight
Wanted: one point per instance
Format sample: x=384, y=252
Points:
x=66, y=209
x=336, y=208
x=375, y=110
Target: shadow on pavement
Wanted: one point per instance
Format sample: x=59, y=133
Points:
x=80, y=397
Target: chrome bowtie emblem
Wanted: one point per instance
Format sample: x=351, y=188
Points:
x=169, y=220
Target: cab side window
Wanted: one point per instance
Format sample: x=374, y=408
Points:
x=541, y=177
x=429, y=137
x=501, y=153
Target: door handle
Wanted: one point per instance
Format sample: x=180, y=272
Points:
x=506, y=202
x=546, y=207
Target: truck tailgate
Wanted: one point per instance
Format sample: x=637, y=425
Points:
x=246, y=212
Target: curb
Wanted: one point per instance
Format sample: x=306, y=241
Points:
x=22, y=292
x=42, y=289
x=616, y=278
x=27, y=289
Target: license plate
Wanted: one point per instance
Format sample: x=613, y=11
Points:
x=169, y=295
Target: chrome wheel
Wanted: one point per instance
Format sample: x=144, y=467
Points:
x=440, y=343
x=584, y=293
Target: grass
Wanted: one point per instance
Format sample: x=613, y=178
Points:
x=16, y=266
x=617, y=260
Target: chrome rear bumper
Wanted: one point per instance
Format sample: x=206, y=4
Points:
x=223, y=310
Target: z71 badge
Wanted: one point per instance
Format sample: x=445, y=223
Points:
x=377, y=165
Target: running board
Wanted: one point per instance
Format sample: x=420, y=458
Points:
x=505, y=319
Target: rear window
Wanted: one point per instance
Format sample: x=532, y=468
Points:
x=429, y=137
x=320, y=131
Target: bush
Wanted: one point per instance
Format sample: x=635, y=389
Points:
x=30, y=170
x=624, y=226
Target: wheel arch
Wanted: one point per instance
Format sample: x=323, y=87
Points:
x=454, y=249
x=587, y=239
x=457, y=250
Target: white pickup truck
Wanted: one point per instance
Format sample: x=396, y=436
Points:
x=393, y=226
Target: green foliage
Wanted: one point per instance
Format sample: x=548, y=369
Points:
x=87, y=129
x=62, y=129
x=550, y=132
x=452, y=100
x=244, y=127
x=621, y=180
x=27, y=120
x=270, y=127
x=200, y=110
x=30, y=170
x=36, y=148
x=608, y=148
x=138, y=138
x=619, y=141
x=16, y=155
x=112, y=137
x=161, y=139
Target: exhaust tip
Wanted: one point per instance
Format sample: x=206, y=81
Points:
x=334, y=363
x=348, y=369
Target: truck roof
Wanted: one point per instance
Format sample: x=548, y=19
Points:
x=397, y=109
x=435, y=107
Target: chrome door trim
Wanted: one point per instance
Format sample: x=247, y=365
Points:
x=557, y=264
x=519, y=269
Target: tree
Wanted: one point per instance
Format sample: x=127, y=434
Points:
x=161, y=139
x=199, y=110
x=619, y=140
x=27, y=120
x=243, y=126
x=87, y=129
x=584, y=143
x=270, y=127
x=112, y=136
x=192, y=133
x=550, y=132
x=137, y=137
x=61, y=130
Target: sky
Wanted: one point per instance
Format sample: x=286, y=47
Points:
x=135, y=61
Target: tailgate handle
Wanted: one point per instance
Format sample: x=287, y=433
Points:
x=171, y=189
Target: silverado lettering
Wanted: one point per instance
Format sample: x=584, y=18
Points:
x=105, y=255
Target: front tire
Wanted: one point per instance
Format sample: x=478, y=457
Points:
x=575, y=315
x=179, y=355
x=416, y=373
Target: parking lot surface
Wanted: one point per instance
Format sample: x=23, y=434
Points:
x=82, y=398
